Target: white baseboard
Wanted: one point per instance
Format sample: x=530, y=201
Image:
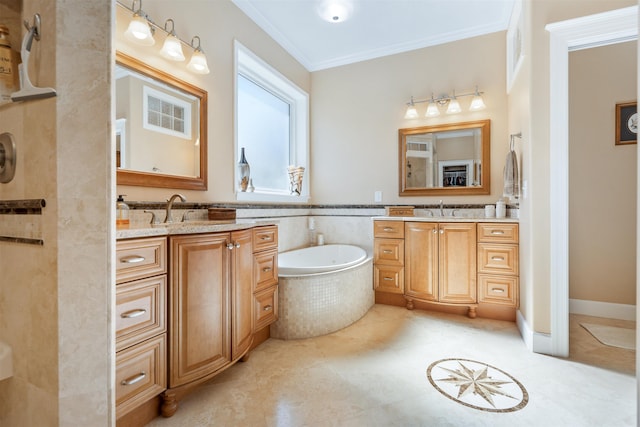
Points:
x=535, y=341
x=602, y=309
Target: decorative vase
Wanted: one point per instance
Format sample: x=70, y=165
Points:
x=243, y=171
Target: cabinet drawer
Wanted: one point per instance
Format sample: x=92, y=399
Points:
x=496, y=258
x=388, y=251
x=140, y=310
x=140, y=258
x=498, y=289
x=388, y=278
x=494, y=232
x=140, y=374
x=388, y=229
x=265, y=307
x=265, y=267
x=265, y=238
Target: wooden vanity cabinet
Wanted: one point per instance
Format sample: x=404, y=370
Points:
x=211, y=300
x=141, y=338
x=440, y=263
x=498, y=264
x=265, y=270
x=388, y=256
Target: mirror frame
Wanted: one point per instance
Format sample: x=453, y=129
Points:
x=146, y=179
x=485, y=188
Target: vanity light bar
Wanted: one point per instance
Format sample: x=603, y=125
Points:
x=451, y=101
x=142, y=28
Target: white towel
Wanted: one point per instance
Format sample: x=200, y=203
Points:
x=510, y=174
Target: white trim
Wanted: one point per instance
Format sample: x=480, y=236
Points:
x=573, y=34
x=515, y=34
x=534, y=341
x=609, y=310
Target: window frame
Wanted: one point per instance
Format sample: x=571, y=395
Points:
x=261, y=73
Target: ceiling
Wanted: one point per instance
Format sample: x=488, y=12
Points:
x=372, y=28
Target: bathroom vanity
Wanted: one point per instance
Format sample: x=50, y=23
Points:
x=448, y=262
x=191, y=300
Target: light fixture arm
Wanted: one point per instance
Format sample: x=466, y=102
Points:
x=153, y=25
x=444, y=99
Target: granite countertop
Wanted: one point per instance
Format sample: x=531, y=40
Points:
x=421, y=218
x=188, y=227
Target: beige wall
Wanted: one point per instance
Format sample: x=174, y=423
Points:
x=602, y=185
x=357, y=110
x=217, y=23
x=56, y=299
x=529, y=113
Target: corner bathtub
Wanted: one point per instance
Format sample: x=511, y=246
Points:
x=322, y=289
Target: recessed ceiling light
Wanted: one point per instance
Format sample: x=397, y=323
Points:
x=335, y=10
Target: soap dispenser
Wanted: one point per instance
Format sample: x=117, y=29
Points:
x=122, y=212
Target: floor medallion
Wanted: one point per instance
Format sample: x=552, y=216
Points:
x=477, y=385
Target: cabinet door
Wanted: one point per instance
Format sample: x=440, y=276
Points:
x=199, y=297
x=421, y=260
x=457, y=248
x=242, y=292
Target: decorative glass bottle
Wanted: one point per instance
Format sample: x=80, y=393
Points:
x=244, y=171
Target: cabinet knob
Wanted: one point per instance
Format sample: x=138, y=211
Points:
x=237, y=244
x=441, y=231
x=134, y=379
x=230, y=246
x=132, y=259
x=133, y=313
x=435, y=231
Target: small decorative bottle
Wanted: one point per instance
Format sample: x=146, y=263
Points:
x=122, y=213
x=8, y=67
x=244, y=171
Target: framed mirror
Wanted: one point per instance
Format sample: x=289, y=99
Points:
x=161, y=128
x=446, y=159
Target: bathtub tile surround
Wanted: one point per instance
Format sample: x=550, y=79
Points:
x=318, y=304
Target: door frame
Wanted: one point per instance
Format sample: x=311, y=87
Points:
x=586, y=32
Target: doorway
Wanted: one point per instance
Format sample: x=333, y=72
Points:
x=581, y=33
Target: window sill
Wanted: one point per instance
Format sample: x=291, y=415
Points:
x=271, y=198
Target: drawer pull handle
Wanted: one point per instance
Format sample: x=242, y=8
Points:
x=497, y=258
x=388, y=229
x=387, y=251
x=132, y=259
x=497, y=232
x=134, y=379
x=388, y=278
x=133, y=313
x=497, y=290
x=266, y=269
x=265, y=238
x=268, y=308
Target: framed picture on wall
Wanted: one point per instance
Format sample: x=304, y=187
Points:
x=626, y=123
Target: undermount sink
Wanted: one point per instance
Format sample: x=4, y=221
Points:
x=6, y=361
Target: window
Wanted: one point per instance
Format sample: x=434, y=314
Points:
x=272, y=127
x=166, y=114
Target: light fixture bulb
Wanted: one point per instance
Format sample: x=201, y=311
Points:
x=411, y=113
x=335, y=11
x=172, y=48
x=454, y=106
x=139, y=31
x=477, y=103
x=198, y=62
x=432, y=109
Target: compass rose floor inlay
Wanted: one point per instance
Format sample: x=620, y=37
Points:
x=477, y=385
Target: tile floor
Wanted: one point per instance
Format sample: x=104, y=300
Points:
x=373, y=373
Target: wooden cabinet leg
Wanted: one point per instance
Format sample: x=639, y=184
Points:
x=169, y=404
x=409, y=304
x=472, y=312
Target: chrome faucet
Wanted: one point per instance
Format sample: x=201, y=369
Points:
x=441, y=211
x=168, y=217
